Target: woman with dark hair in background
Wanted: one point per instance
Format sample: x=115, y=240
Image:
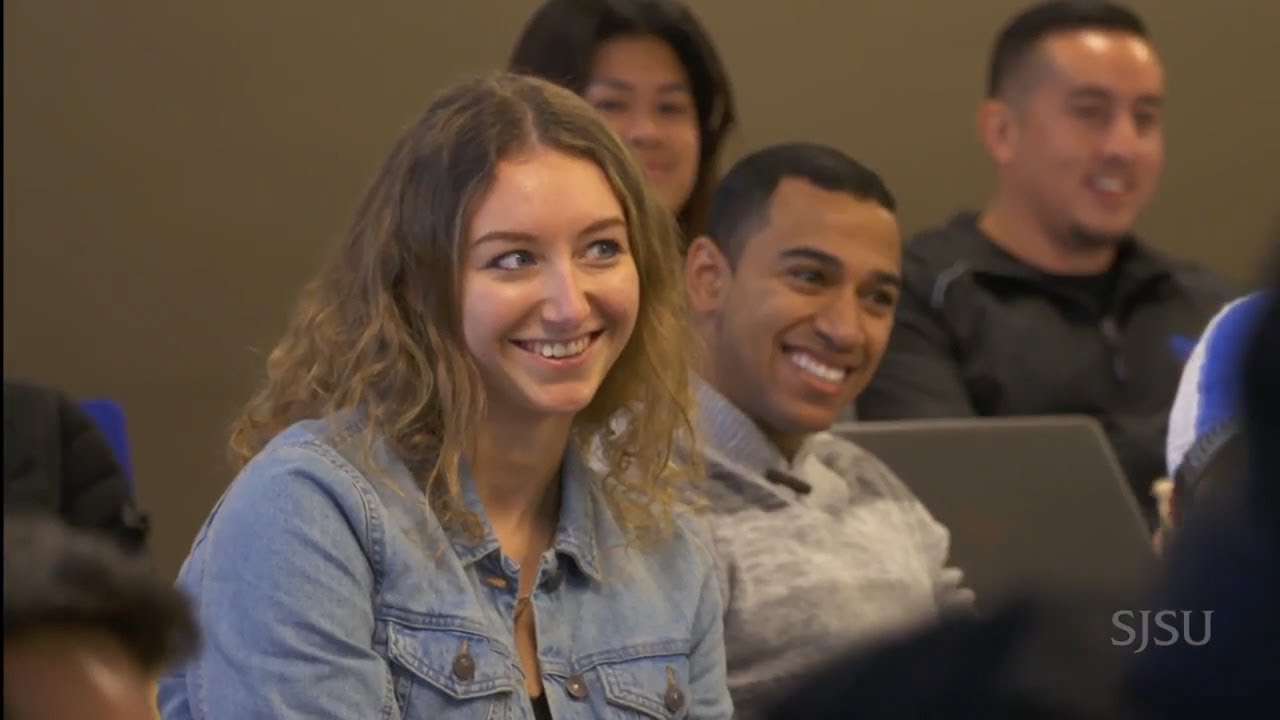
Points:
x=650, y=69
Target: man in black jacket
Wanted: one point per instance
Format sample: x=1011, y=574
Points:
x=56, y=462
x=1045, y=303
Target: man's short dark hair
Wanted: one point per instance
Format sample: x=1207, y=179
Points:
x=1019, y=38
x=59, y=577
x=740, y=206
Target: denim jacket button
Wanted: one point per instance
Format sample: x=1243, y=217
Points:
x=674, y=699
x=464, y=666
x=576, y=686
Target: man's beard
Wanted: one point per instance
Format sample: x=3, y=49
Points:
x=1081, y=238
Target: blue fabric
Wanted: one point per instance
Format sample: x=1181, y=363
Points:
x=108, y=416
x=1219, y=382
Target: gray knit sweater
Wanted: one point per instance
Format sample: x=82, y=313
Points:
x=815, y=555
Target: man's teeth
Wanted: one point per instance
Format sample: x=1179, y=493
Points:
x=810, y=365
x=558, y=349
x=1109, y=184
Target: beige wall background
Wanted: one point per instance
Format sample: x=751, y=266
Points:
x=173, y=171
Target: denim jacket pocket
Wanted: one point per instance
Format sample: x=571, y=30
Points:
x=441, y=669
x=652, y=685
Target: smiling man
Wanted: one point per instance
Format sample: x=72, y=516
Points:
x=819, y=545
x=1045, y=303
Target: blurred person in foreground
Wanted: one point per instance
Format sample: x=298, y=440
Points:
x=87, y=629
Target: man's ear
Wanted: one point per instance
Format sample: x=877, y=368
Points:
x=706, y=275
x=997, y=129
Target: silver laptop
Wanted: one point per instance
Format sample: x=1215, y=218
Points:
x=1031, y=502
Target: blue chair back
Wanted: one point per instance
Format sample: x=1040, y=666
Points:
x=109, y=417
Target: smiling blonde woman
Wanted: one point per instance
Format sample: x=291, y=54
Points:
x=414, y=532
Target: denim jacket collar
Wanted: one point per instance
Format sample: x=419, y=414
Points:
x=585, y=520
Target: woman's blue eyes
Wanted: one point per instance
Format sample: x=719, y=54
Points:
x=605, y=249
x=512, y=260
x=520, y=259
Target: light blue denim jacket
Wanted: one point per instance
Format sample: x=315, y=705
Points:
x=323, y=592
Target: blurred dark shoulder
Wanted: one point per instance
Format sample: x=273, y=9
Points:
x=57, y=462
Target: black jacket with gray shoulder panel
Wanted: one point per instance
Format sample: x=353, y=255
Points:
x=980, y=333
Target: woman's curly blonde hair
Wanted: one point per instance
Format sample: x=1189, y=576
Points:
x=378, y=330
